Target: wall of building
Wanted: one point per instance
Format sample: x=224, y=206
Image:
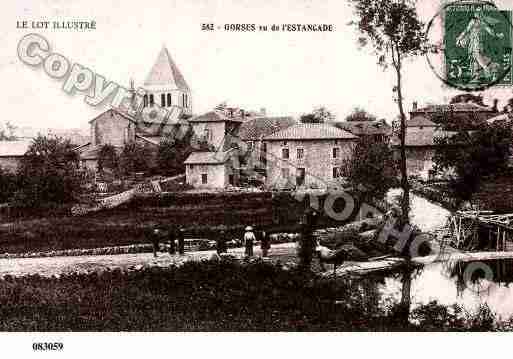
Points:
x=217, y=130
x=419, y=160
x=176, y=98
x=10, y=164
x=113, y=130
x=318, y=160
x=217, y=175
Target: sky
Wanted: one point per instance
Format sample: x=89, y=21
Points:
x=287, y=73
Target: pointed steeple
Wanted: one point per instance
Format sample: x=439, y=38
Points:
x=165, y=73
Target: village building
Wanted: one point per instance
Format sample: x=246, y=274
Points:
x=11, y=154
x=216, y=165
x=166, y=92
x=307, y=154
x=253, y=131
x=376, y=130
x=420, y=146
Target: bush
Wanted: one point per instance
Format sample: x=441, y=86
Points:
x=49, y=173
x=8, y=185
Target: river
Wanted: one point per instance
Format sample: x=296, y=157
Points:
x=449, y=283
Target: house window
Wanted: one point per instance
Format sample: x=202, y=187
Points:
x=300, y=177
x=285, y=153
x=337, y=172
x=168, y=100
x=204, y=178
x=300, y=153
x=284, y=143
x=231, y=180
x=152, y=100
x=336, y=152
x=162, y=100
x=145, y=100
x=285, y=172
x=207, y=134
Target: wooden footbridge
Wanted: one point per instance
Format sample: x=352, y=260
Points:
x=474, y=228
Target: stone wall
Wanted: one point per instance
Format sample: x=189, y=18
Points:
x=317, y=160
x=10, y=163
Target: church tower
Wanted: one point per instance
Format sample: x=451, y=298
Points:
x=166, y=87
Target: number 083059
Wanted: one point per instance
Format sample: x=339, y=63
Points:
x=47, y=346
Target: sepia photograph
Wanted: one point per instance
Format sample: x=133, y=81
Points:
x=253, y=167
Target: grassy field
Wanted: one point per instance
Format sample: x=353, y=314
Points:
x=212, y=296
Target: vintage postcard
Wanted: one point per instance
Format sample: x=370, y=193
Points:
x=254, y=166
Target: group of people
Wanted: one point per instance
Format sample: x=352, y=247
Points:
x=171, y=235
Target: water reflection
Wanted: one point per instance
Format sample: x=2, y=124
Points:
x=468, y=284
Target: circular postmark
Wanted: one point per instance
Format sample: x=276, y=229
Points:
x=470, y=45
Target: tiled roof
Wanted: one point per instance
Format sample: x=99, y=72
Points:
x=420, y=121
x=422, y=138
x=165, y=73
x=257, y=128
x=206, y=157
x=112, y=112
x=14, y=148
x=154, y=140
x=311, y=131
x=359, y=128
x=214, y=116
x=456, y=107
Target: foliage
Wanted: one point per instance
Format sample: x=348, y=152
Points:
x=359, y=114
x=173, y=151
x=371, y=169
x=473, y=156
x=8, y=185
x=49, y=173
x=319, y=115
x=7, y=133
x=394, y=30
x=136, y=157
x=108, y=159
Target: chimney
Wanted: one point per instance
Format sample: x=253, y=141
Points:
x=495, y=105
x=415, y=105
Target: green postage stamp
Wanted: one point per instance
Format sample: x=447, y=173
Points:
x=477, y=41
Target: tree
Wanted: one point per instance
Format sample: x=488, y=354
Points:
x=371, y=169
x=49, y=173
x=8, y=185
x=174, y=150
x=473, y=156
x=359, y=114
x=395, y=32
x=8, y=133
x=318, y=115
x=108, y=159
x=136, y=157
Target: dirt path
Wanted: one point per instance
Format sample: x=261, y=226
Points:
x=50, y=266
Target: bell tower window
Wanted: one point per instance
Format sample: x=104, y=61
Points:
x=152, y=100
x=168, y=100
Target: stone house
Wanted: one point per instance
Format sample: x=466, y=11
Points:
x=420, y=143
x=165, y=89
x=253, y=131
x=217, y=164
x=11, y=153
x=207, y=169
x=307, y=154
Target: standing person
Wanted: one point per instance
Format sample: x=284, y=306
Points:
x=249, y=238
x=265, y=243
x=153, y=235
x=221, y=241
x=171, y=237
x=181, y=240
x=306, y=238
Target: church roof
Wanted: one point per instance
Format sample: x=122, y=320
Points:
x=165, y=73
x=311, y=131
